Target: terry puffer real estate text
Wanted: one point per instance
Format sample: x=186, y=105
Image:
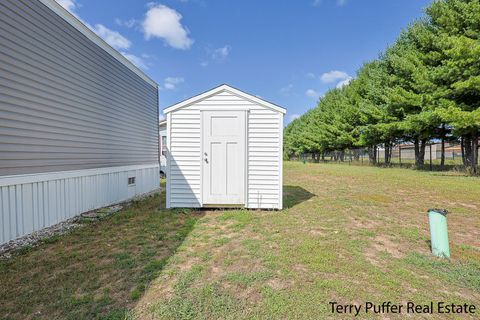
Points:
x=388, y=307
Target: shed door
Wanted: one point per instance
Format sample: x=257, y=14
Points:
x=223, y=157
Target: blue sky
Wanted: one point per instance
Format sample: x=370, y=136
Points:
x=288, y=52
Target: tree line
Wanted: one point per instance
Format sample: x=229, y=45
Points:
x=424, y=87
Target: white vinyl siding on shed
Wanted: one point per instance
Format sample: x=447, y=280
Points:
x=184, y=160
x=263, y=151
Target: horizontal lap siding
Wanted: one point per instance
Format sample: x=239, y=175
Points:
x=222, y=101
x=185, y=171
x=65, y=103
x=263, y=147
x=263, y=159
x=185, y=148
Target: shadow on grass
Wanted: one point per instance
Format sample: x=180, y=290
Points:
x=97, y=271
x=294, y=195
x=429, y=244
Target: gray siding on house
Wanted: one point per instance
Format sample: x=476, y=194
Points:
x=66, y=103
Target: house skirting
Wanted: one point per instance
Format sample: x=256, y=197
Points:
x=32, y=202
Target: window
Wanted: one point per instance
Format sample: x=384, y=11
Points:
x=164, y=145
x=131, y=181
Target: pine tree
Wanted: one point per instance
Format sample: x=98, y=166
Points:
x=455, y=26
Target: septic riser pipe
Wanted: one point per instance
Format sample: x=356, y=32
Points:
x=439, y=232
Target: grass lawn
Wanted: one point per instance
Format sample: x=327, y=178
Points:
x=349, y=234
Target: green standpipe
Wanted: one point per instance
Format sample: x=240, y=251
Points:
x=439, y=232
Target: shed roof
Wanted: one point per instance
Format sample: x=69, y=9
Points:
x=221, y=88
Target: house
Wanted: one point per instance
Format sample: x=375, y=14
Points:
x=78, y=121
x=407, y=151
x=163, y=147
x=224, y=150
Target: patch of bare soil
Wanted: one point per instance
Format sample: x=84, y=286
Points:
x=465, y=205
x=299, y=268
x=464, y=229
x=383, y=243
x=362, y=223
x=279, y=284
x=251, y=294
x=317, y=232
x=372, y=256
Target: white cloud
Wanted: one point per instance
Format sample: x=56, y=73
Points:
x=113, y=38
x=344, y=82
x=147, y=56
x=340, y=3
x=221, y=54
x=70, y=5
x=333, y=76
x=164, y=22
x=341, y=77
x=293, y=117
x=136, y=60
x=312, y=93
x=285, y=91
x=217, y=55
x=126, y=23
x=310, y=75
x=171, y=83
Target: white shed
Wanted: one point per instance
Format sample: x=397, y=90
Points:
x=224, y=150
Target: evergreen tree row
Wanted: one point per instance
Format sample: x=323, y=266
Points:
x=425, y=86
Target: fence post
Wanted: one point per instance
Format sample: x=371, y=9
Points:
x=431, y=164
x=400, y=154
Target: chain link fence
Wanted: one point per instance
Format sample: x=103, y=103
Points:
x=402, y=155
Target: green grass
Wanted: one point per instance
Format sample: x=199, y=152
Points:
x=467, y=273
x=348, y=233
x=451, y=165
x=98, y=271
